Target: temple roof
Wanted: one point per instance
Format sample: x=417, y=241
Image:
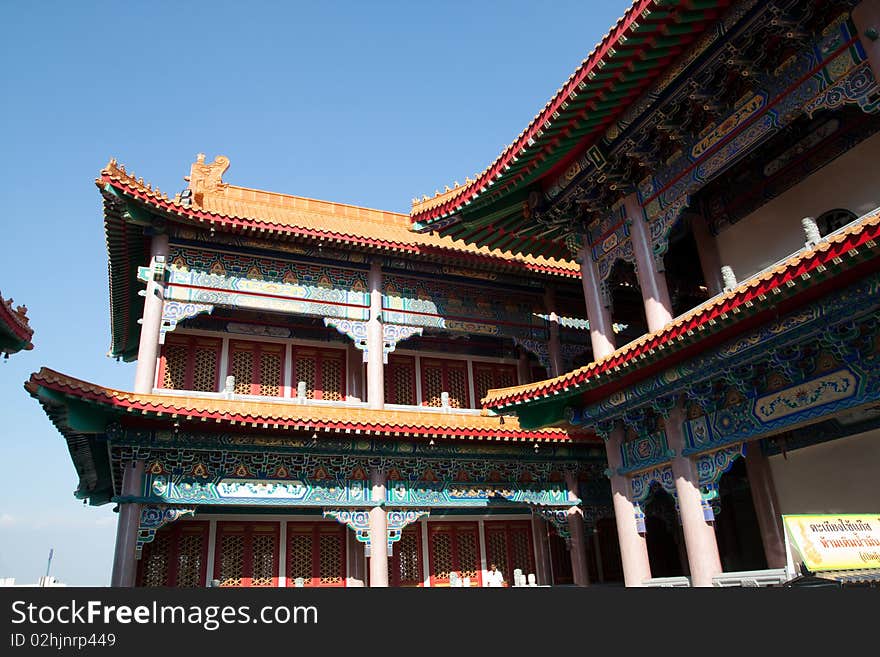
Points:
x=629, y=59
x=15, y=330
x=59, y=393
x=216, y=204
x=719, y=316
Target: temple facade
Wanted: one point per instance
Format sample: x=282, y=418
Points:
x=618, y=355
x=306, y=397
x=709, y=166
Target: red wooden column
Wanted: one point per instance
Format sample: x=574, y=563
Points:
x=355, y=557
x=601, y=328
x=378, y=532
x=523, y=368
x=699, y=534
x=866, y=16
x=766, y=505
x=707, y=250
x=579, y=571
x=556, y=367
x=633, y=547
x=542, y=550
x=658, y=308
x=354, y=374
x=151, y=322
x=124, y=557
x=375, y=366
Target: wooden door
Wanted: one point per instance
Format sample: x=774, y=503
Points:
x=454, y=547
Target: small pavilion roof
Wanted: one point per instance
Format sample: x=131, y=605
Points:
x=845, y=249
x=15, y=330
x=643, y=44
x=58, y=393
x=214, y=203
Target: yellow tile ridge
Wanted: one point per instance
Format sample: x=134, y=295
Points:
x=212, y=195
x=287, y=412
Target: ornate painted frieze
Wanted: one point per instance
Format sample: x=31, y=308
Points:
x=174, y=312
x=644, y=451
x=558, y=519
x=258, y=492
x=241, y=281
x=744, y=360
x=463, y=494
x=263, y=453
x=830, y=73
x=155, y=516
x=812, y=399
x=188, y=490
x=641, y=483
x=435, y=304
x=610, y=241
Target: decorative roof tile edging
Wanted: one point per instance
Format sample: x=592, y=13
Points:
x=286, y=415
x=15, y=330
x=857, y=240
x=397, y=239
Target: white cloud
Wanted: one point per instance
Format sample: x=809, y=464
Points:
x=7, y=520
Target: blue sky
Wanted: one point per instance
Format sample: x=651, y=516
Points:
x=369, y=103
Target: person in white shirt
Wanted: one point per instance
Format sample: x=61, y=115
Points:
x=494, y=578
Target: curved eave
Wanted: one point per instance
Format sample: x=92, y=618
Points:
x=15, y=334
x=643, y=43
x=63, y=391
x=195, y=216
x=841, y=252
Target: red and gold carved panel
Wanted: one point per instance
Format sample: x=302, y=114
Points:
x=454, y=547
x=247, y=554
x=190, y=363
x=177, y=556
x=316, y=554
x=322, y=370
x=406, y=563
x=441, y=375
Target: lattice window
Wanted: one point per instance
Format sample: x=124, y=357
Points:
x=468, y=558
x=190, y=548
x=483, y=381
x=441, y=554
x=496, y=546
x=242, y=369
x=332, y=564
x=231, y=559
x=156, y=560
x=409, y=563
x=432, y=385
x=400, y=380
x=190, y=363
x=174, y=375
x=458, y=388
x=490, y=375
x=270, y=372
x=306, y=366
x=264, y=546
x=323, y=371
x=520, y=551
x=205, y=369
x=299, y=556
x=332, y=379
x=440, y=376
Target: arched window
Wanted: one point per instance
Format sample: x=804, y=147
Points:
x=830, y=221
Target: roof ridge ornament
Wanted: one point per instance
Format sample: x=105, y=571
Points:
x=207, y=178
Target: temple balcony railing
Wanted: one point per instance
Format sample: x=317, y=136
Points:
x=305, y=401
x=813, y=236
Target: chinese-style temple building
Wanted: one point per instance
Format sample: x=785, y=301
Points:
x=617, y=355
x=15, y=330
